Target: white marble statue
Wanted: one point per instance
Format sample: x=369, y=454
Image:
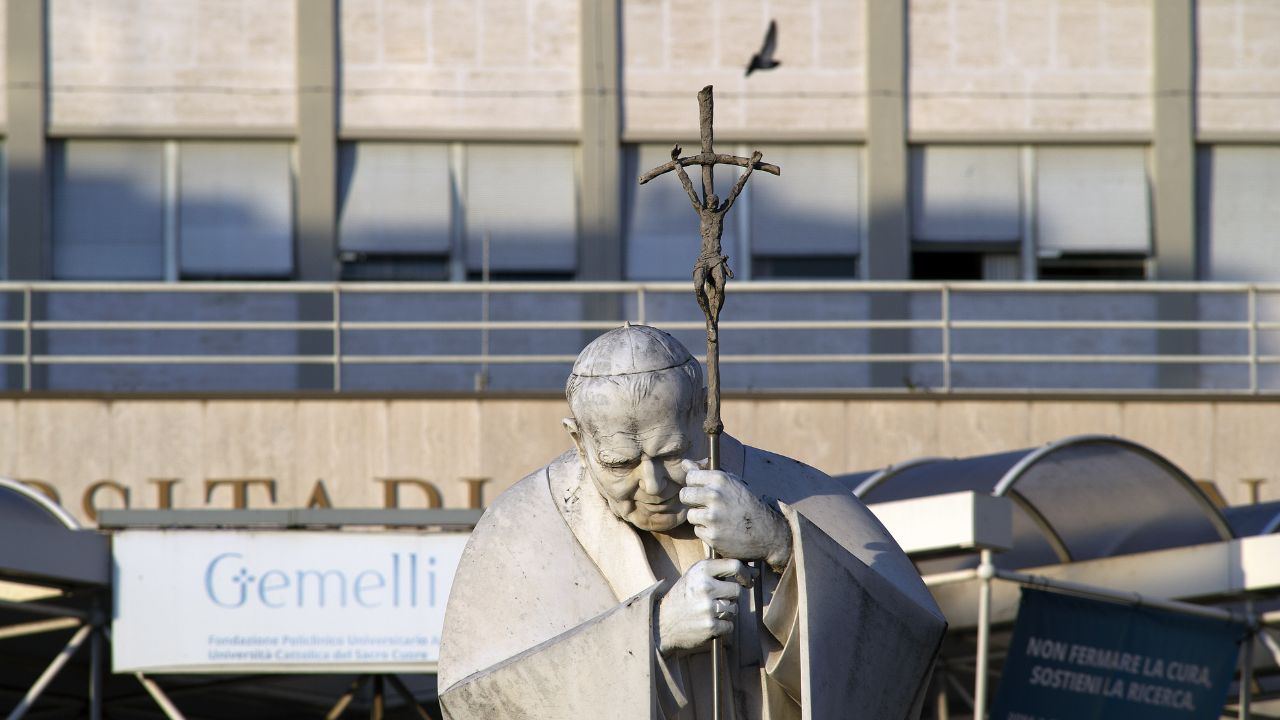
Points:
x=584, y=592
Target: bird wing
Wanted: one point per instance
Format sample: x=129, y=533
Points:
x=770, y=41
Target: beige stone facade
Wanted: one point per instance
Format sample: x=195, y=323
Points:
x=436, y=66
x=1238, y=76
x=348, y=450
x=172, y=64
x=454, y=64
x=4, y=60
x=671, y=48
x=1029, y=65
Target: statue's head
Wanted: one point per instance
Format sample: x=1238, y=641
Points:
x=638, y=402
x=713, y=202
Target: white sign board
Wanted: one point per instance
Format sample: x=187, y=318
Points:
x=280, y=601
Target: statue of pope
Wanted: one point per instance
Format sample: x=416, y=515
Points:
x=585, y=592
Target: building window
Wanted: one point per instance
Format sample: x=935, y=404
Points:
x=1092, y=213
x=524, y=199
x=108, y=210
x=394, y=199
x=816, y=267
x=395, y=211
x=157, y=210
x=1238, y=213
x=966, y=213
x=805, y=224
x=966, y=197
x=424, y=211
x=1083, y=266
x=939, y=265
x=235, y=210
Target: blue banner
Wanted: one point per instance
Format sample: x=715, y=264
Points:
x=1077, y=659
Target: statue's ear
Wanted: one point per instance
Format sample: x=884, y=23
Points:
x=571, y=425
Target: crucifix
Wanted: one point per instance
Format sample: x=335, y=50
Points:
x=712, y=267
x=710, y=273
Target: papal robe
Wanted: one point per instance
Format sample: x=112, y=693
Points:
x=553, y=611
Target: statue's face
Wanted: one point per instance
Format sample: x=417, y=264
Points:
x=631, y=439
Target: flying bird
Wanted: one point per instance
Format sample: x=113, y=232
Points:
x=763, y=60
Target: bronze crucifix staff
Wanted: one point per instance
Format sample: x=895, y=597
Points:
x=712, y=268
x=710, y=273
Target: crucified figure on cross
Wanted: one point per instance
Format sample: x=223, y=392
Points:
x=712, y=268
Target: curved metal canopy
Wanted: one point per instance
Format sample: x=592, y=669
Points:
x=1079, y=498
x=1257, y=519
x=40, y=542
x=20, y=505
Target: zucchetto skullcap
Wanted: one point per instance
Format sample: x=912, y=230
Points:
x=628, y=350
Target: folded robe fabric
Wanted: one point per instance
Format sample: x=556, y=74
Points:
x=552, y=610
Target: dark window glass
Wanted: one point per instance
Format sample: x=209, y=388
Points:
x=816, y=267
x=946, y=266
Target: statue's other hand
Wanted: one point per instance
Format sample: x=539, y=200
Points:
x=726, y=515
x=701, y=605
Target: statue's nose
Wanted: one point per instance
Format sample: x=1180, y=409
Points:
x=652, y=478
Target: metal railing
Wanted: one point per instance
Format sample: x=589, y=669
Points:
x=930, y=327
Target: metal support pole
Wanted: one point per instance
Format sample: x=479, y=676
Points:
x=399, y=686
x=337, y=337
x=340, y=706
x=36, y=628
x=986, y=571
x=38, y=608
x=1253, y=339
x=1246, y=667
x=946, y=338
x=377, y=707
x=50, y=673
x=95, y=675
x=941, y=711
x=482, y=378
x=170, y=710
x=1131, y=598
x=26, y=338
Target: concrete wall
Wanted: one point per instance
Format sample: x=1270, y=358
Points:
x=4, y=61
x=974, y=65
x=671, y=48
x=1042, y=65
x=474, y=64
x=1238, y=77
x=171, y=64
x=352, y=445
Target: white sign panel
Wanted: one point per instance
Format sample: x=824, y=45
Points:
x=280, y=601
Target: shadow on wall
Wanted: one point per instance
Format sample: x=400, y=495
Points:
x=114, y=228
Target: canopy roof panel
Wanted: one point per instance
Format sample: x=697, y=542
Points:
x=20, y=505
x=1079, y=498
x=1257, y=519
x=41, y=543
